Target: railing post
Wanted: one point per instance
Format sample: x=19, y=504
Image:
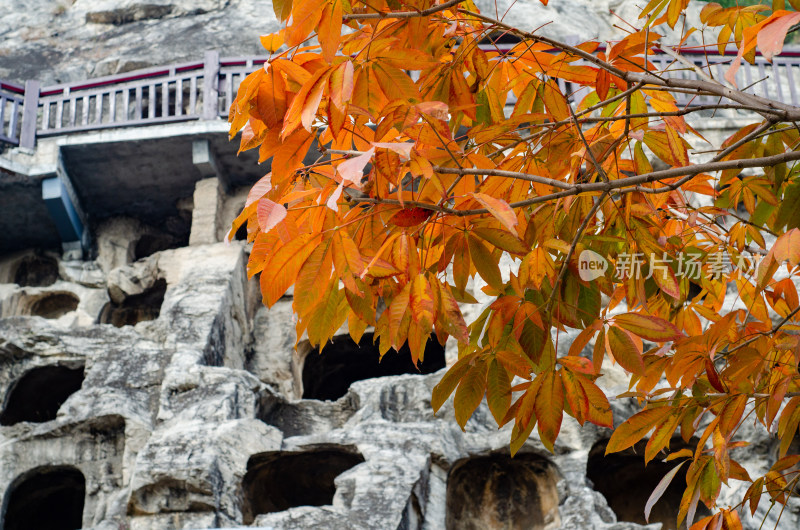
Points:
x=30, y=112
x=211, y=85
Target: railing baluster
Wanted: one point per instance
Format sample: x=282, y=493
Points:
x=178, y=97
x=112, y=106
x=790, y=78
x=228, y=91
x=59, y=112
x=762, y=81
x=776, y=75
x=138, y=114
x=85, y=110
x=193, y=95
x=3, y=102
x=73, y=111
x=12, y=124
x=165, y=99
x=98, y=117
x=46, y=114
x=151, y=101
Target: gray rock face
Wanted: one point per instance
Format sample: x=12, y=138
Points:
x=60, y=41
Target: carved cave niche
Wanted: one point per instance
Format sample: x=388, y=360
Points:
x=137, y=308
x=277, y=481
x=45, y=498
x=328, y=375
x=36, y=271
x=626, y=483
x=150, y=243
x=54, y=305
x=37, y=395
x=500, y=492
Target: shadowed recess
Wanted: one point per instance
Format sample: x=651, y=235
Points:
x=149, y=244
x=46, y=498
x=500, y=492
x=39, y=393
x=278, y=481
x=626, y=484
x=136, y=308
x=36, y=271
x=55, y=305
x=328, y=376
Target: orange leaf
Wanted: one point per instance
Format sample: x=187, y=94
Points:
x=622, y=348
x=500, y=209
x=329, y=30
x=284, y=265
x=484, y=262
x=549, y=407
x=450, y=380
x=787, y=247
x=649, y=328
x=305, y=16
x=771, y=36
x=342, y=84
x=636, y=428
x=422, y=302
x=599, y=408
x=470, y=393
x=291, y=154
x=498, y=390
x=450, y=317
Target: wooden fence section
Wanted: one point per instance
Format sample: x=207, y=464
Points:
x=205, y=90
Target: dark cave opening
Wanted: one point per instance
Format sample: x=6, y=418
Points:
x=498, y=491
x=278, y=481
x=149, y=244
x=36, y=271
x=55, y=305
x=39, y=393
x=328, y=376
x=626, y=483
x=136, y=308
x=47, y=498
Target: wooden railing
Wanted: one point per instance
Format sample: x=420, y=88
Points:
x=205, y=90
x=11, y=102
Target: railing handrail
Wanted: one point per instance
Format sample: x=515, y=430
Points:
x=133, y=75
x=64, y=97
x=12, y=87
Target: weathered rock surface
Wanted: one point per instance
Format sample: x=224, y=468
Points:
x=60, y=41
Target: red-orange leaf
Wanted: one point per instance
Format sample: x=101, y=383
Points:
x=410, y=217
